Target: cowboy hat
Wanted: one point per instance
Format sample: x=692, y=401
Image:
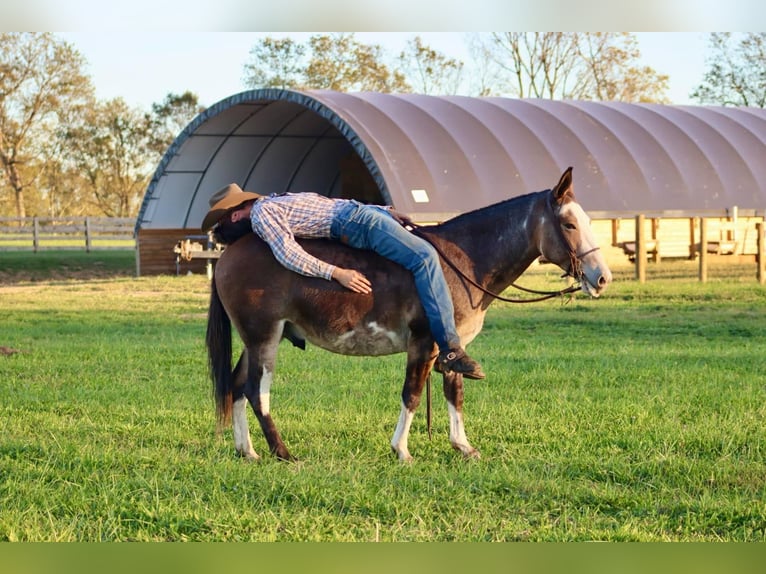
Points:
x=224, y=200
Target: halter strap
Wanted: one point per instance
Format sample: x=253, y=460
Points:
x=575, y=259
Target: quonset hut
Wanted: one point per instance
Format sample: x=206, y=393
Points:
x=435, y=157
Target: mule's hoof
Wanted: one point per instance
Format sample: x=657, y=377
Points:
x=285, y=457
x=468, y=452
x=251, y=456
x=472, y=454
x=404, y=457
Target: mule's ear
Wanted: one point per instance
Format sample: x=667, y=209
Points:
x=564, y=186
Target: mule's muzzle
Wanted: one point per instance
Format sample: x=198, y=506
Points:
x=594, y=284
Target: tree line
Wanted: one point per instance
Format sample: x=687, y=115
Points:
x=63, y=152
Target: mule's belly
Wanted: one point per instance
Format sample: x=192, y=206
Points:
x=364, y=339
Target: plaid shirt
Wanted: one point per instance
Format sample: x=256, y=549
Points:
x=279, y=219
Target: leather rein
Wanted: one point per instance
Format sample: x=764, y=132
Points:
x=575, y=266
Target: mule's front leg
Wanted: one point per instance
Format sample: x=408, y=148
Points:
x=402, y=432
x=453, y=392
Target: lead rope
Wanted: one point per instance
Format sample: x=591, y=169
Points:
x=428, y=403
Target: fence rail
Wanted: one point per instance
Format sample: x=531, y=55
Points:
x=66, y=233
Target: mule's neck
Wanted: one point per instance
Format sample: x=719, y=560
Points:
x=502, y=240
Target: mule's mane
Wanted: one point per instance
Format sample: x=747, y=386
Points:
x=498, y=212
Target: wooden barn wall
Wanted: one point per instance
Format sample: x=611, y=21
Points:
x=155, y=254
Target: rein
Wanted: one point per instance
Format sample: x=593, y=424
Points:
x=575, y=268
x=544, y=295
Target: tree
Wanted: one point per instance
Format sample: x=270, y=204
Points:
x=330, y=62
x=169, y=118
x=737, y=75
x=41, y=81
x=573, y=65
x=339, y=62
x=111, y=147
x=275, y=63
x=430, y=71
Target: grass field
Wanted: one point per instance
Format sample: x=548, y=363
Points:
x=640, y=416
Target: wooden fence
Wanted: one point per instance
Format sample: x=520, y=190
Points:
x=670, y=235
x=66, y=233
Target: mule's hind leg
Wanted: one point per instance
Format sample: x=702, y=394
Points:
x=240, y=427
x=260, y=367
x=420, y=358
x=453, y=392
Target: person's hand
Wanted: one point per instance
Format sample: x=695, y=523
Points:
x=404, y=220
x=353, y=280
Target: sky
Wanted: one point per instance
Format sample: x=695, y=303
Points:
x=142, y=67
x=141, y=50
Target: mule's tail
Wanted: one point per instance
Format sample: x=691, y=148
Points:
x=218, y=339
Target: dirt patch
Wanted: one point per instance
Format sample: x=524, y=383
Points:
x=6, y=351
x=63, y=274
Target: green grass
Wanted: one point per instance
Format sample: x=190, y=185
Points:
x=640, y=416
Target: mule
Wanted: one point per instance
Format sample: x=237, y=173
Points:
x=487, y=250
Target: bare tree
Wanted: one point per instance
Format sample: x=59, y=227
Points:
x=484, y=77
x=610, y=72
x=41, y=81
x=573, y=65
x=736, y=74
x=538, y=64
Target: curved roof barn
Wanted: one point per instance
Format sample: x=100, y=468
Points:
x=434, y=157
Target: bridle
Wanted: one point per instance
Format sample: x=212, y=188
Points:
x=575, y=260
x=575, y=265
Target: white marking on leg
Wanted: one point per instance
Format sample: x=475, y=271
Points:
x=264, y=391
x=239, y=425
x=401, y=434
x=457, y=437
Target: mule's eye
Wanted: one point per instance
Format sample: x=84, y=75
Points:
x=570, y=226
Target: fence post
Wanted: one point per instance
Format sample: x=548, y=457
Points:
x=640, y=250
x=703, y=249
x=761, y=251
x=87, y=235
x=35, y=234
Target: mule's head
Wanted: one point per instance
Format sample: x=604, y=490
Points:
x=568, y=241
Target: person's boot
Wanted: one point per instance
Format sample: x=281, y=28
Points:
x=456, y=360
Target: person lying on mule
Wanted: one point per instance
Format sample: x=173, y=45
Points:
x=279, y=219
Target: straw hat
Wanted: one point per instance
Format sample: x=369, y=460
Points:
x=224, y=200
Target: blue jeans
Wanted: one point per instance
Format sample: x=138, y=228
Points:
x=372, y=227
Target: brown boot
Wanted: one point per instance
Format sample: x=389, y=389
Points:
x=458, y=361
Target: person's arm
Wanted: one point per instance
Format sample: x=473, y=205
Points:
x=278, y=235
